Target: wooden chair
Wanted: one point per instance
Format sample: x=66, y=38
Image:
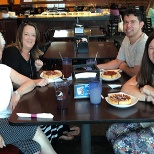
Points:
x=10, y=149
x=113, y=25
x=103, y=38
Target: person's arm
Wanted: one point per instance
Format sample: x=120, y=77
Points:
x=26, y=85
x=113, y=64
x=41, y=82
x=131, y=71
x=131, y=88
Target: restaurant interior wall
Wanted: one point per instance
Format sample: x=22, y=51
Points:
x=101, y=3
x=6, y=2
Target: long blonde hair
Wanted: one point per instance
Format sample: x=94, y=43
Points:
x=150, y=5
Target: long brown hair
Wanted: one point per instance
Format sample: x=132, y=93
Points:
x=144, y=76
x=19, y=44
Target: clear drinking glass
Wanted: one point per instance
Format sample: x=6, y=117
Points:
x=95, y=88
x=90, y=61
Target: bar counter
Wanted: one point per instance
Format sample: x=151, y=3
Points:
x=95, y=20
x=45, y=22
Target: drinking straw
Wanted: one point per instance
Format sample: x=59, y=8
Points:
x=96, y=56
x=61, y=56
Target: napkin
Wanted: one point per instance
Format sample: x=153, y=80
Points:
x=114, y=85
x=85, y=75
x=38, y=115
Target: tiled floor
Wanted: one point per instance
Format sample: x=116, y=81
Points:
x=99, y=146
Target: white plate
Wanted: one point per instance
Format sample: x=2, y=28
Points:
x=119, y=75
x=52, y=80
x=133, y=99
x=116, y=70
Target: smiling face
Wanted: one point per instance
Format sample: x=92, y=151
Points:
x=28, y=37
x=151, y=51
x=132, y=26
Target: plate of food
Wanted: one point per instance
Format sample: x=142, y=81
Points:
x=110, y=75
x=51, y=75
x=121, y=100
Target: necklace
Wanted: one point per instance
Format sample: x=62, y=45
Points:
x=25, y=56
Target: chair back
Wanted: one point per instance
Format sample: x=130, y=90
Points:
x=147, y=28
x=117, y=44
x=48, y=35
x=81, y=43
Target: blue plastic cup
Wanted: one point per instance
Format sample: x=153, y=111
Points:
x=95, y=88
x=90, y=61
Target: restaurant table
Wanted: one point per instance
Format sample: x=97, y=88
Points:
x=106, y=51
x=79, y=111
x=69, y=33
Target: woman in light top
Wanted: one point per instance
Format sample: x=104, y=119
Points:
x=150, y=11
x=137, y=137
x=29, y=139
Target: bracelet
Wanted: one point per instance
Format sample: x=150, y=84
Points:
x=17, y=93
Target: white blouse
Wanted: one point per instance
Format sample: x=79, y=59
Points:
x=6, y=90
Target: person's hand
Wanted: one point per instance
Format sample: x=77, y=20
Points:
x=122, y=66
x=149, y=92
x=14, y=101
x=41, y=82
x=2, y=143
x=149, y=98
x=38, y=64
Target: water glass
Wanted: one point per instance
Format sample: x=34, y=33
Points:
x=67, y=67
x=95, y=88
x=90, y=61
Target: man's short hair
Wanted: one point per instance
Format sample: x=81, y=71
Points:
x=135, y=12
